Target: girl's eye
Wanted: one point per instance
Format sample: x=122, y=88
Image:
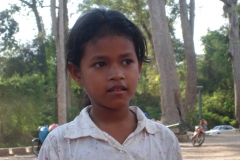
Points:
x=127, y=61
x=100, y=64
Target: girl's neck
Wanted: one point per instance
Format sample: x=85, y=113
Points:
x=119, y=123
x=110, y=116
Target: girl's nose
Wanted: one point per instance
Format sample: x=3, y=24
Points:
x=116, y=73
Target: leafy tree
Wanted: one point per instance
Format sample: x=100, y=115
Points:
x=8, y=28
x=27, y=87
x=218, y=108
x=147, y=94
x=231, y=10
x=214, y=69
x=33, y=5
x=214, y=66
x=23, y=107
x=27, y=96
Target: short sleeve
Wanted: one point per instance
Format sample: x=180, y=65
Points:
x=48, y=150
x=177, y=150
x=174, y=150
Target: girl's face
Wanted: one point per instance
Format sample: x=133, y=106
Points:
x=109, y=71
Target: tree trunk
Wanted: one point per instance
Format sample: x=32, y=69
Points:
x=171, y=101
x=191, y=77
x=68, y=89
x=59, y=31
x=230, y=8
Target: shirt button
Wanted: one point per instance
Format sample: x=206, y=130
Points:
x=121, y=151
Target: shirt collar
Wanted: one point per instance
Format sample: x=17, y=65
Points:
x=83, y=126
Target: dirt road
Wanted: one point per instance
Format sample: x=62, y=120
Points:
x=218, y=147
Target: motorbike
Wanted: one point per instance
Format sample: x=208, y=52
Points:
x=43, y=132
x=37, y=142
x=198, y=136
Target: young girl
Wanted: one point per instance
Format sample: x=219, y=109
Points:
x=105, y=52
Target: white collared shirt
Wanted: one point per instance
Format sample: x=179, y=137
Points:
x=81, y=139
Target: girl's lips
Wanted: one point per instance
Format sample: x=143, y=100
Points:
x=117, y=88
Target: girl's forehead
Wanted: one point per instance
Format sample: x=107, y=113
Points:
x=110, y=45
x=109, y=37
x=109, y=41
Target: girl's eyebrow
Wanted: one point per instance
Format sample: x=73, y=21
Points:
x=128, y=54
x=100, y=57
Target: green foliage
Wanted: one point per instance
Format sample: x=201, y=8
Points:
x=147, y=94
x=51, y=65
x=23, y=107
x=215, y=69
x=154, y=112
x=192, y=120
x=215, y=75
x=181, y=69
x=27, y=94
x=77, y=100
x=12, y=66
x=218, y=108
x=148, y=103
x=8, y=28
x=24, y=60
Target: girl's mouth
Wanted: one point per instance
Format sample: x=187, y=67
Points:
x=117, y=89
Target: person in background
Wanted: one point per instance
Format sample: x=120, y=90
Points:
x=52, y=127
x=105, y=52
x=203, y=123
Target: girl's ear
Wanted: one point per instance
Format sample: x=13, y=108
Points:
x=75, y=72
